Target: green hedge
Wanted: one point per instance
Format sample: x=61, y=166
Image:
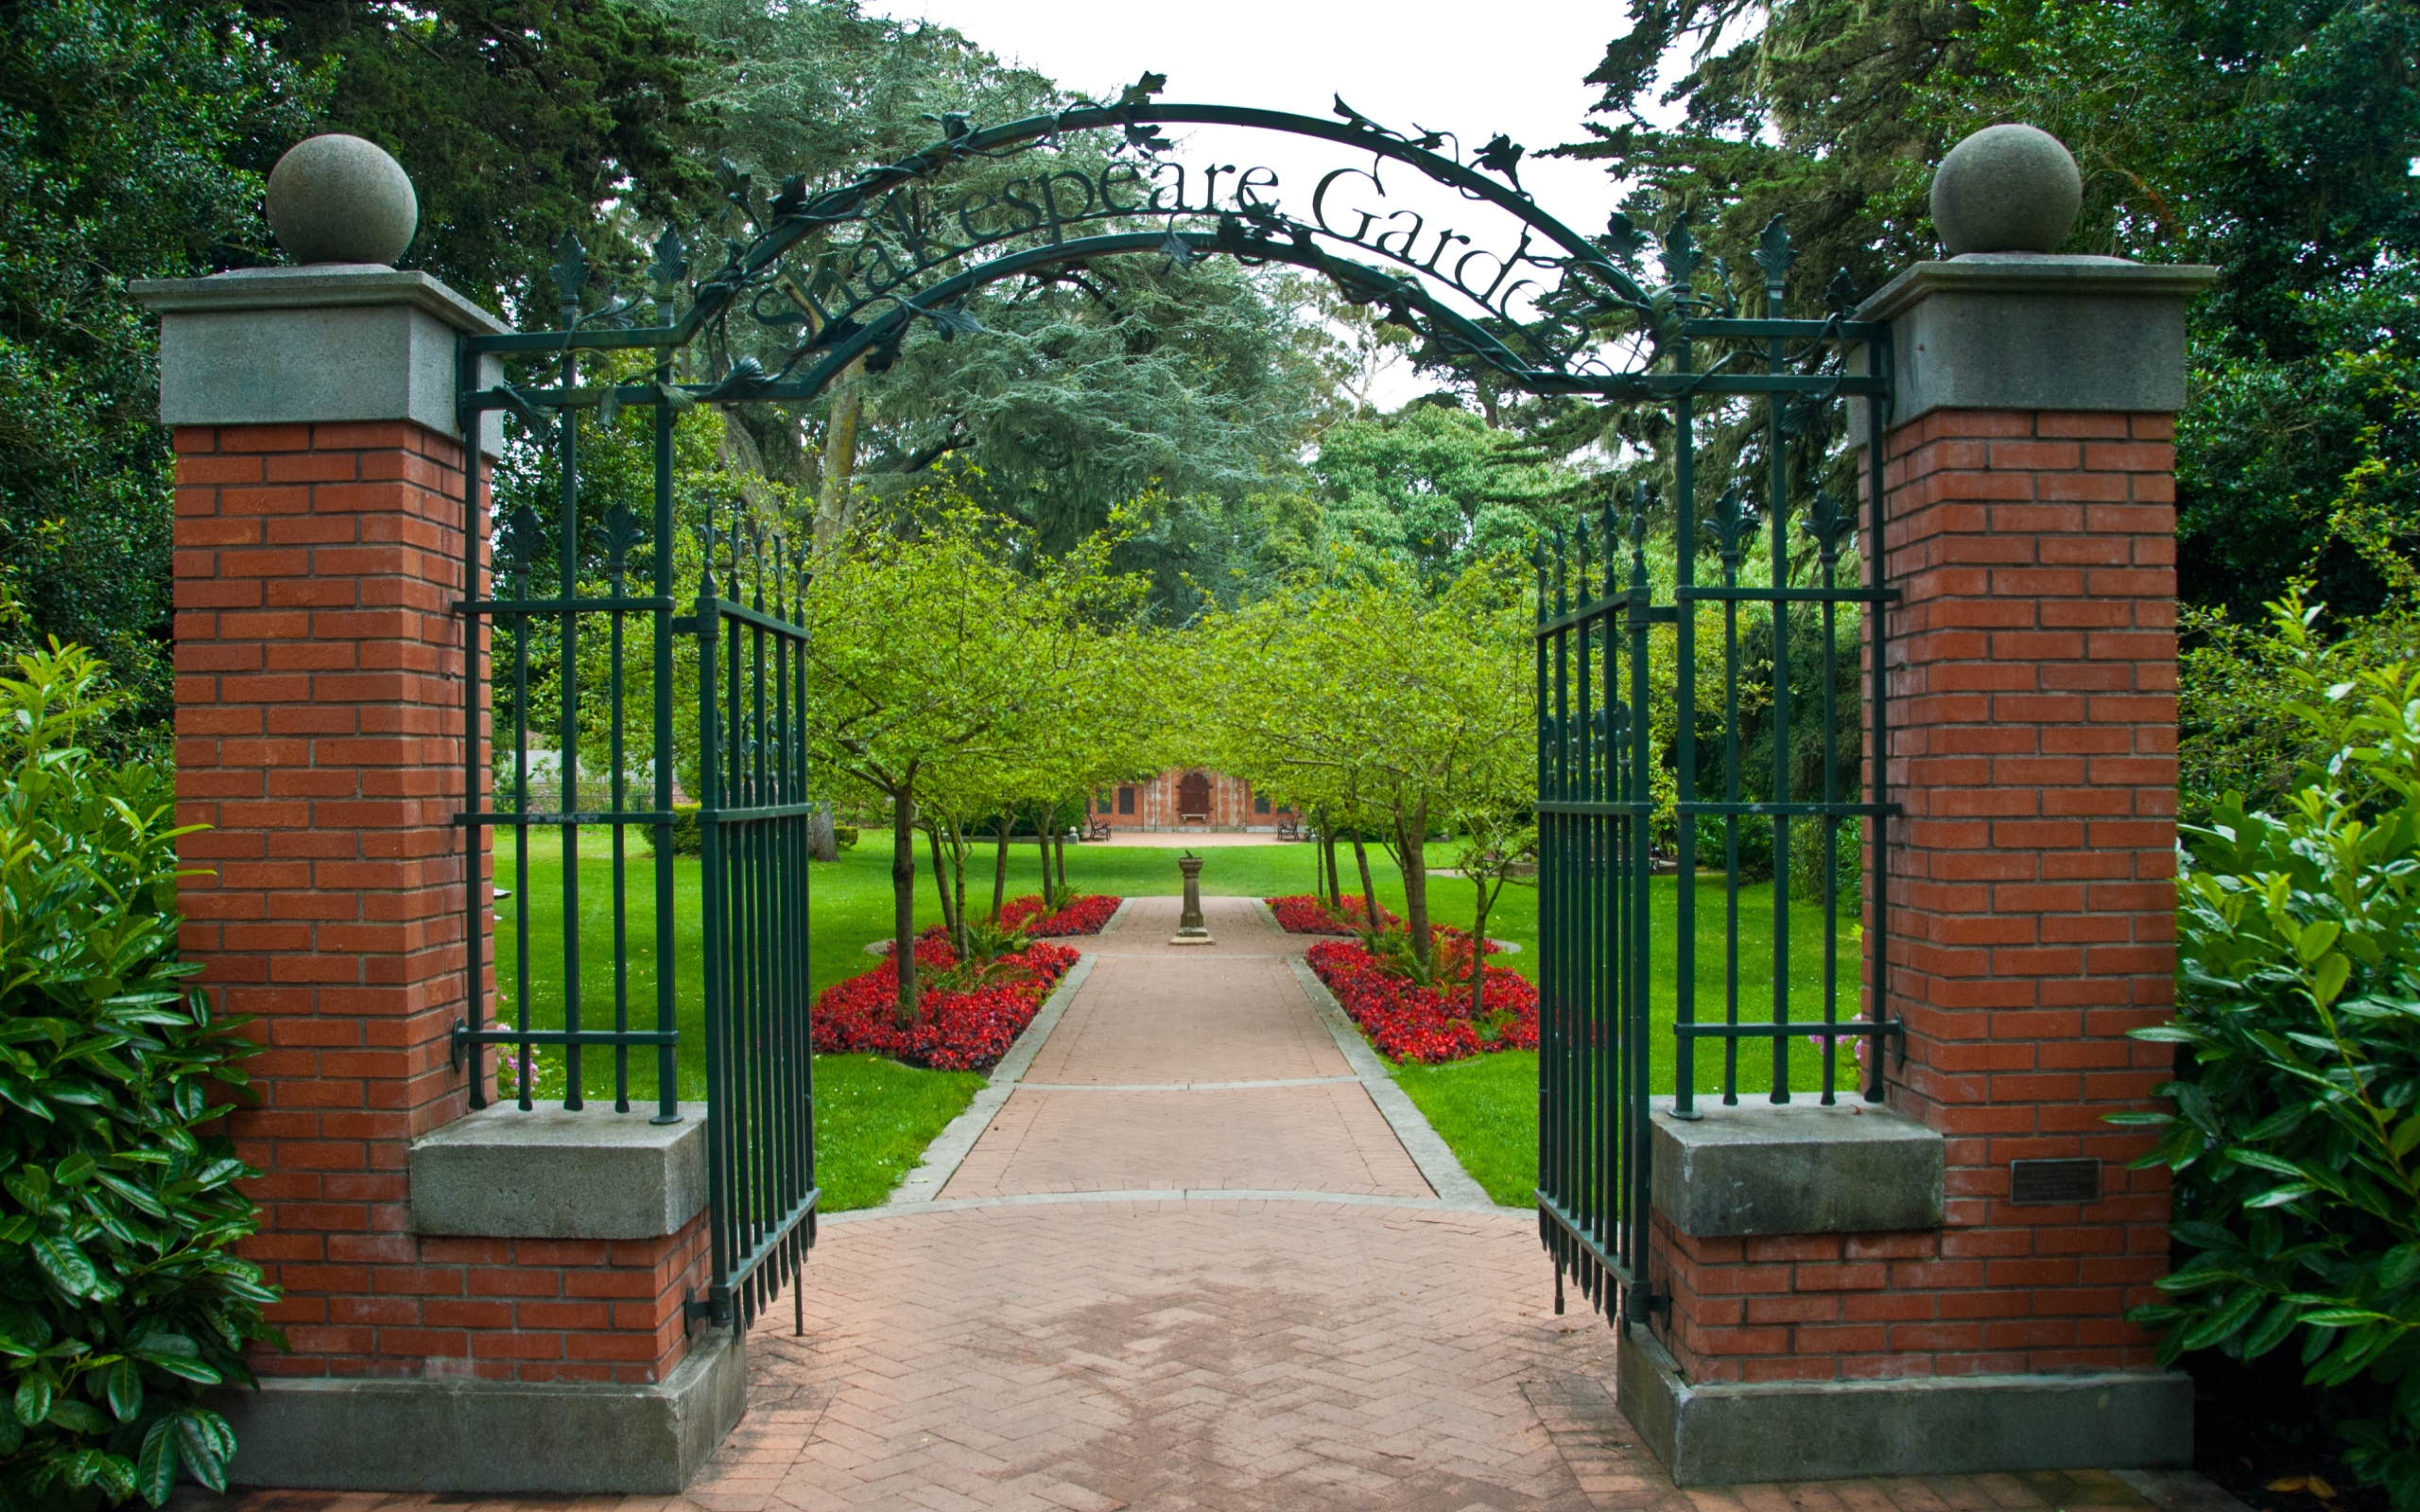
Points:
x=687, y=839
x=2296, y=1136
x=120, y=1295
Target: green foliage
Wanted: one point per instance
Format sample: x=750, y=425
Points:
x=2270, y=137
x=120, y=1295
x=2235, y=733
x=689, y=838
x=131, y=134
x=1432, y=487
x=518, y=120
x=844, y=836
x=2296, y=1138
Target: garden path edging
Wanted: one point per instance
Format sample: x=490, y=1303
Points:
x=1430, y=1153
x=943, y=1156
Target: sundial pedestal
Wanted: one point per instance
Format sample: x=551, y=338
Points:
x=1190, y=928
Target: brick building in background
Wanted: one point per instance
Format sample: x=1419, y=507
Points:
x=1190, y=798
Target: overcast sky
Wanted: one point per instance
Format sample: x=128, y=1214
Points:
x=1474, y=69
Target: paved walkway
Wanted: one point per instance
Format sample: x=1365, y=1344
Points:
x=1194, y=1250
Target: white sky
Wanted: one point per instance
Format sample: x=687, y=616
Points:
x=1472, y=69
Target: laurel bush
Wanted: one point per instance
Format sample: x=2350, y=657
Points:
x=2295, y=1138
x=121, y=1298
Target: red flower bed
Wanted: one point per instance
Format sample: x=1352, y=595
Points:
x=1087, y=915
x=1302, y=914
x=1407, y=1022
x=953, y=1031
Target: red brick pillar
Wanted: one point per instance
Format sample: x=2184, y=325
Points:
x=1941, y=1284
x=446, y=1277
x=2032, y=898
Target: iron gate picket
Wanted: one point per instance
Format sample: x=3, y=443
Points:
x=1603, y=924
x=752, y=817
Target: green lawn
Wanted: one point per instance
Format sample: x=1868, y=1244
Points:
x=873, y=1118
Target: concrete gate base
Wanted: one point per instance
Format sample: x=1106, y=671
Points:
x=1733, y=1433
x=489, y=1437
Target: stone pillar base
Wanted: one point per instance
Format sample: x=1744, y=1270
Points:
x=497, y=1438
x=1732, y=1432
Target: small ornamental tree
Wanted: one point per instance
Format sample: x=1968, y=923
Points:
x=1393, y=707
x=934, y=666
x=120, y=1293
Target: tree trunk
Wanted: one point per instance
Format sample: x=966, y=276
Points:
x=941, y=881
x=902, y=903
x=1369, y=890
x=835, y=508
x=959, y=939
x=1335, y=878
x=1000, y=868
x=1042, y=855
x=1411, y=846
x=1478, y=946
x=1059, y=848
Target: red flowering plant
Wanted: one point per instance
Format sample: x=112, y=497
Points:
x=1085, y=914
x=1409, y=1020
x=1302, y=914
x=969, y=1013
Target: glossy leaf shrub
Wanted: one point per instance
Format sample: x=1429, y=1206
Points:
x=1302, y=914
x=1086, y=915
x=120, y=1294
x=958, y=1027
x=2295, y=1138
x=1409, y=1021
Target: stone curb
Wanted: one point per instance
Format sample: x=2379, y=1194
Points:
x=1435, y=1158
x=943, y=1156
x=1186, y=1195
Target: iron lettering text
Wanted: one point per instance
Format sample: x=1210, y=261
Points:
x=909, y=232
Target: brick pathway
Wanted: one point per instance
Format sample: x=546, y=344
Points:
x=1094, y=1315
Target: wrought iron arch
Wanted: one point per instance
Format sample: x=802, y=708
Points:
x=860, y=299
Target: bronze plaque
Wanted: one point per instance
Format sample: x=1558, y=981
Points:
x=2048, y=1183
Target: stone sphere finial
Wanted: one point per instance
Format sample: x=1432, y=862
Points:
x=2006, y=189
x=338, y=199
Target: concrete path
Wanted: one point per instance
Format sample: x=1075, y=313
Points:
x=1193, y=1250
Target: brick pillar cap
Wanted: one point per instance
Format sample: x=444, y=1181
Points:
x=2035, y=331
x=322, y=285
x=2051, y=273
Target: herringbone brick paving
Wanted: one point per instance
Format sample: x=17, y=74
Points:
x=1226, y=1353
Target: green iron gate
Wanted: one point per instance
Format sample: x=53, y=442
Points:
x=1633, y=790
x=594, y=660
x=821, y=282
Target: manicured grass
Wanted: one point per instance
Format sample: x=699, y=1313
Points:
x=1486, y=1110
x=874, y=1117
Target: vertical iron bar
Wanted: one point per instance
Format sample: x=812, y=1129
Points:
x=567, y=739
x=715, y=955
x=667, y=1072
x=621, y=856
x=475, y=670
x=1831, y=827
x=1878, y=360
x=1637, y=1034
x=1731, y=525
x=521, y=828
x=1777, y=521
x=1684, y=756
